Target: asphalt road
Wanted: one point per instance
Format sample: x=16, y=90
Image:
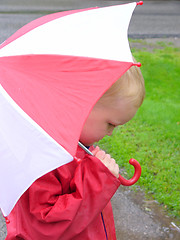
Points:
x=135, y=217
x=154, y=19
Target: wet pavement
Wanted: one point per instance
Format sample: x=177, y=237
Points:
x=136, y=218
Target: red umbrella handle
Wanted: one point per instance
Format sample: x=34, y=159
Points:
x=136, y=176
x=123, y=181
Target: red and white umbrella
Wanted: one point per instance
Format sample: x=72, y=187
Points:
x=52, y=72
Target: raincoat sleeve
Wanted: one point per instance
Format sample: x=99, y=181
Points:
x=52, y=201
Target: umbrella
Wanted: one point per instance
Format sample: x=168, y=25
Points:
x=52, y=72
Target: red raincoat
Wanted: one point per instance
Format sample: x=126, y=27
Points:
x=71, y=202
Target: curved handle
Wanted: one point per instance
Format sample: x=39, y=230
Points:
x=136, y=176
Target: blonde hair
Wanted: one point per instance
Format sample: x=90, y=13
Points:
x=130, y=86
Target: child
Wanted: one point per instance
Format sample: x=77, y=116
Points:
x=73, y=201
x=116, y=107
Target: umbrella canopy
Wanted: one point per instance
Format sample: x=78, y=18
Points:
x=52, y=72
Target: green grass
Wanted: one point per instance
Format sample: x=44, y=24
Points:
x=153, y=135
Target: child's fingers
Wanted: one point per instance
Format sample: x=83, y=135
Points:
x=106, y=159
x=113, y=167
x=115, y=170
x=94, y=151
x=100, y=154
x=111, y=164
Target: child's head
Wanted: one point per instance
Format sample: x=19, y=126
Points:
x=117, y=106
x=129, y=86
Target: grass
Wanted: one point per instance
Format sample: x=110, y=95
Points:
x=153, y=135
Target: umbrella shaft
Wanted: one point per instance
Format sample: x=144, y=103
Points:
x=85, y=148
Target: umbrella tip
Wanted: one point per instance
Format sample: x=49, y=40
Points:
x=140, y=3
x=7, y=220
x=137, y=64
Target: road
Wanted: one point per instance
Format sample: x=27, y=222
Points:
x=153, y=19
x=135, y=217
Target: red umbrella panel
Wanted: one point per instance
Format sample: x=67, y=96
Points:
x=52, y=72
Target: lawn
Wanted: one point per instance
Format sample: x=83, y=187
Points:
x=153, y=135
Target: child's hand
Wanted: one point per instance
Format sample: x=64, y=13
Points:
x=106, y=159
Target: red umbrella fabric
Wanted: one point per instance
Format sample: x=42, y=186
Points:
x=52, y=72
